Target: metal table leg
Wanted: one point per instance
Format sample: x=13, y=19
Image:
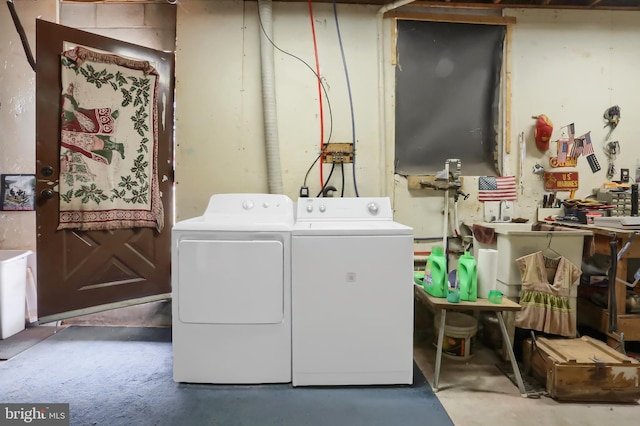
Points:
x=443, y=313
x=512, y=356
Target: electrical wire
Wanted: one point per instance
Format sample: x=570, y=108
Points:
x=311, y=167
x=324, y=89
x=326, y=182
x=342, y=172
x=315, y=51
x=346, y=73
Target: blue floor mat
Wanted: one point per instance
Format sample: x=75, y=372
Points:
x=123, y=376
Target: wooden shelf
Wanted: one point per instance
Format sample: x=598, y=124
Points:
x=597, y=318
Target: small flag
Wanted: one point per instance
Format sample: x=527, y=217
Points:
x=576, y=149
x=587, y=147
x=571, y=128
x=563, y=149
x=497, y=188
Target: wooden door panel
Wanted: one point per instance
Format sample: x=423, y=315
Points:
x=87, y=271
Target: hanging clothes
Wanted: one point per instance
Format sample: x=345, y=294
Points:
x=546, y=286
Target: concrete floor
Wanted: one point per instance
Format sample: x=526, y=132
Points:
x=476, y=392
x=473, y=392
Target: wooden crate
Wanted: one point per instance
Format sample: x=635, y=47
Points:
x=583, y=369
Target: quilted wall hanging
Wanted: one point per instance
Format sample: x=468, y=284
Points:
x=108, y=153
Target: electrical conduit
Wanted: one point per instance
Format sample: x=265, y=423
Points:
x=315, y=50
x=274, y=174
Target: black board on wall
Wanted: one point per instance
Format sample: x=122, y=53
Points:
x=447, y=96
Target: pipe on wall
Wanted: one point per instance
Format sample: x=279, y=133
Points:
x=384, y=178
x=274, y=174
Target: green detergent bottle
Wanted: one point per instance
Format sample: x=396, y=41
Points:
x=435, y=274
x=468, y=277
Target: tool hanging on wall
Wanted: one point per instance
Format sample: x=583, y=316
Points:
x=611, y=150
x=537, y=169
x=612, y=115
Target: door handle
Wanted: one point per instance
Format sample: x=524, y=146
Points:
x=46, y=194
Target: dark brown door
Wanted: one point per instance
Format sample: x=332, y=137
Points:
x=83, y=272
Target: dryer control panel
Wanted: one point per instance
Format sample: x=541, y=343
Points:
x=344, y=209
x=265, y=208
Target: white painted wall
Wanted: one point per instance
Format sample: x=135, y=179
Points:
x=219, y=129
x=570, y=65
x=18, y=114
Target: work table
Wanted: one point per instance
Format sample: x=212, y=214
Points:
x=628, y=324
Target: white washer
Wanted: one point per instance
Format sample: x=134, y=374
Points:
x=352, y=294
x=231, y=290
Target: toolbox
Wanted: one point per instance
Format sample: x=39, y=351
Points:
x=583, y=369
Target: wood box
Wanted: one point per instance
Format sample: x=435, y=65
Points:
x=583, y=369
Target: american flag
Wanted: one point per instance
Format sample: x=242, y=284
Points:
x=587, y=147
x=563, y=149
x=496, y=188
x=576, y=149
x=571, y=128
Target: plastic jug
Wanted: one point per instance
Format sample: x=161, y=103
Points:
x=435, y=274
x=468, y=277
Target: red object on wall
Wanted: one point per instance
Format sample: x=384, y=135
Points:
x=561, y=181
x=543, y=131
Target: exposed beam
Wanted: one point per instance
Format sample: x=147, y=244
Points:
x=450, y=17
x=594, y=2
x=546, y=2
x=525, y=4
x=496, y=1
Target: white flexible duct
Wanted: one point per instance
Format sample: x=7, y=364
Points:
x=274, y=174
x=384, y=179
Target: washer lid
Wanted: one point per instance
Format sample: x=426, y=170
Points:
x=351, y=228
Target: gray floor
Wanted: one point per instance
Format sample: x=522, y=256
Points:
x=473, y=392
x=123, y=376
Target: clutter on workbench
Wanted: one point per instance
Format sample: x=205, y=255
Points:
x=618, y=195
x=468, y=277
x=584, y=210
x=435, y=274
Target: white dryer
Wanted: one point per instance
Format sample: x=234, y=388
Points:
x=231, y=290
x=352, y=294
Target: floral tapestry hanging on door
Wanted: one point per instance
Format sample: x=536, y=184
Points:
x=108, y=153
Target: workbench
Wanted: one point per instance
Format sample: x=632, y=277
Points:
x=596, y=317
x=442, y=305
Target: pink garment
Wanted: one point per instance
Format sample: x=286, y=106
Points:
x=546, y=286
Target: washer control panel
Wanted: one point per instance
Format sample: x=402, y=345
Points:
x=358, y=208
